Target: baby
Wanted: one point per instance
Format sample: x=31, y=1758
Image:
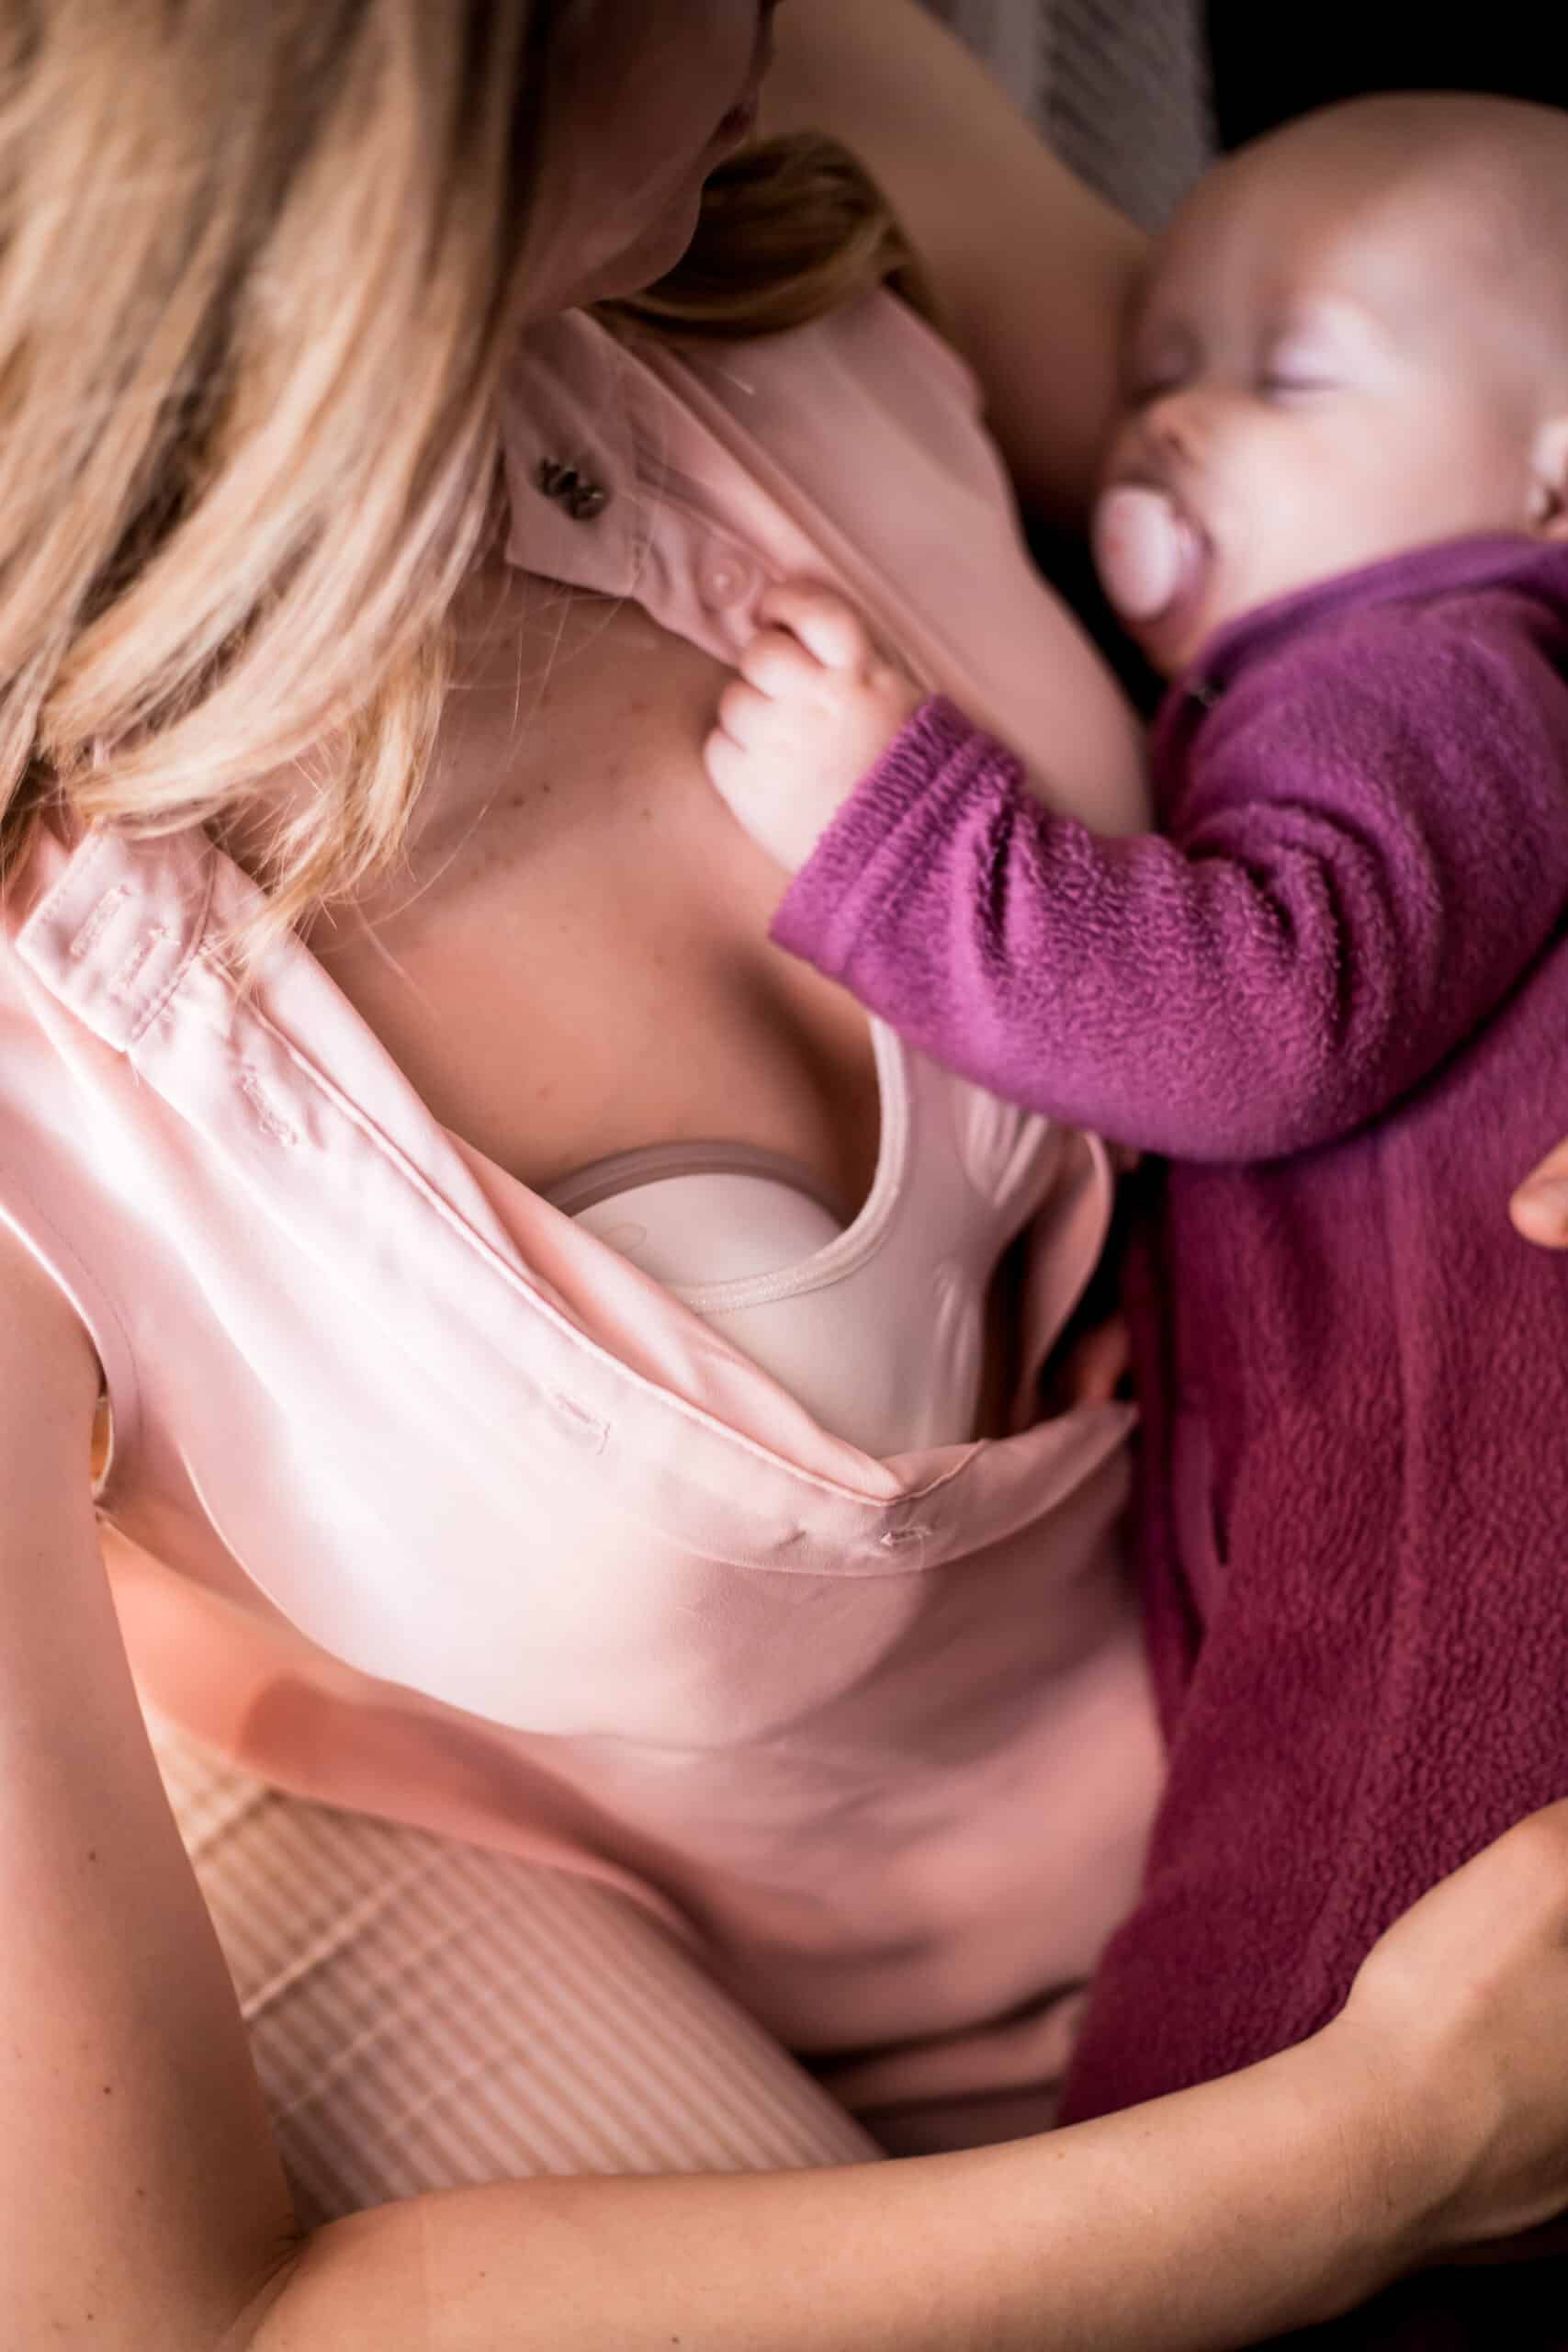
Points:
x=1334, y=990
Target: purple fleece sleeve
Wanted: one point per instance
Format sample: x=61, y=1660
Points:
x=1370, y=850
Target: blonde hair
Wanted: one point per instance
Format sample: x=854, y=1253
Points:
x=257, y=290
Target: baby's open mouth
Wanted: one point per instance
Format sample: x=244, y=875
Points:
x=1149, y=555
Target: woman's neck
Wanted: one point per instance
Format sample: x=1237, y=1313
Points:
x=516, y=637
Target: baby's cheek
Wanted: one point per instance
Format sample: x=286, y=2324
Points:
x=1307, y=511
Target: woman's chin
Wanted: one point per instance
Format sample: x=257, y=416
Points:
x=617, y=276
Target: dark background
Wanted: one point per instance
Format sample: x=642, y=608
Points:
x=1271, y=62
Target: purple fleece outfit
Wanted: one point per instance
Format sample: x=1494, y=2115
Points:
x=1336, y=989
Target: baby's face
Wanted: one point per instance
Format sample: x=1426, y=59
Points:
x=1320, y=372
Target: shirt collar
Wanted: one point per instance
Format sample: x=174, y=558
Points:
x=1443, y=569
x=570, y=403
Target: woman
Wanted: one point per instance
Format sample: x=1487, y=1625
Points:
x=283, y=1204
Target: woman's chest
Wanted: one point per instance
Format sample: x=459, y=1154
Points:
x=577, y=963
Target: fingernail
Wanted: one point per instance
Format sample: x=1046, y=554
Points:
x=1543, y=1207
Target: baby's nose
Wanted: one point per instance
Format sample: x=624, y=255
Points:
x=1179, y=419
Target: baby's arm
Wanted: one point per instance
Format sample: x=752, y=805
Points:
x=1362, y=872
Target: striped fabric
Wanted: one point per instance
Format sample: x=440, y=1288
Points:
x=1120, y=87
x=425, y=2015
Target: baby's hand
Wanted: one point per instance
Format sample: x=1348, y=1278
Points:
x=814, y=709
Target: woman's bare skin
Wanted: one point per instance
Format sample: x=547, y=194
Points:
x=576, y=899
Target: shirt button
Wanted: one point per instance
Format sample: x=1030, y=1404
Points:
x=583, y=500
x=725, y=581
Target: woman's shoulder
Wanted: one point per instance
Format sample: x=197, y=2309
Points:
x=878, y=339
x=838, y=381
x=668, y=469
x=608, y=397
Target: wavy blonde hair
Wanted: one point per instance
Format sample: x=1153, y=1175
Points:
x=258, y=281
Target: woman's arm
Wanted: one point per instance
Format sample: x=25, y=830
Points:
x=142, y=2200
x=1429, y=2116
x=1211, y=2220
x=1032, y=271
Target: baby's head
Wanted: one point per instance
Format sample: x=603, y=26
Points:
x=1352, y=341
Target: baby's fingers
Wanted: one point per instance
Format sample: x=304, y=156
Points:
x=823, y=623
x=742, y=711
x=778, y=664
x=1539, y=1207
x=727, y=764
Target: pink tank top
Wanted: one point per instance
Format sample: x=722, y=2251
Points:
x=424, y=1499
x=875, y=1322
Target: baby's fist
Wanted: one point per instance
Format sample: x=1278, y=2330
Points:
x=813, y=710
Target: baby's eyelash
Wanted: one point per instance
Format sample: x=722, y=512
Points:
x=1145, y=389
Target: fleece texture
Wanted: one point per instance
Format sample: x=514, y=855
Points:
x=1335, y=990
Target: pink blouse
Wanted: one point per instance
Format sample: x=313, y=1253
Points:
x=423, y=1500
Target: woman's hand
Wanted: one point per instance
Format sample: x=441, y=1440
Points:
x=1539, y=1207
x=813, y=710
x=1462, y=2009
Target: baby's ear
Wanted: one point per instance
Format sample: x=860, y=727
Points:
x=1549, y=480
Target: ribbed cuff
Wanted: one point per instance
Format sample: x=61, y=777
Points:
x=891, y=823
